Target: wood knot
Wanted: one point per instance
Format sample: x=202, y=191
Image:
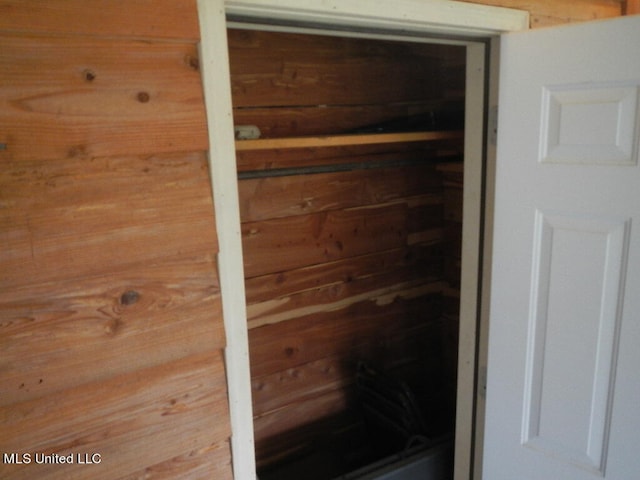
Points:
x=89, y=75
x=193, y=62
x=77, y=151
x=129, y=298
x=143, y=97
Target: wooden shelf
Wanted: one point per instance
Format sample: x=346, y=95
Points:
x=344, y=140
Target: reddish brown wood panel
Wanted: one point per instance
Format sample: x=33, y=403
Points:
x=342, y=432
x=422, y=261
x=87, y=97
x=71, y=218
x=631, y=7
x=285, y=345
x=305, y=382
x=404, y=350
x=307, y=405
x=133, y=18
x=276, y=197
x=151, y=416
x=284, y=69
x=344, y=265
x=298, y=414
x=111, y=332
x=114, y=323
x=282, y=244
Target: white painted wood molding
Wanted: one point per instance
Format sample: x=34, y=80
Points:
x=442, y=17
x=216, y=78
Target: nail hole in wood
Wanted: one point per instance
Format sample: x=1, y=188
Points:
x=143, y=97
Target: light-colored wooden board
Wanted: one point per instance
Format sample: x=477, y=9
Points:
x=544, y=13
x=342, y=140
x=165, y=19
x=80, y=98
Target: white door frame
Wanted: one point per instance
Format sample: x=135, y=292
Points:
x=442, y=21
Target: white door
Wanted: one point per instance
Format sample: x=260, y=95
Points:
x=563, y=393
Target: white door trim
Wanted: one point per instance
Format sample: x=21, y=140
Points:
x=407, y=17
x=422, y=16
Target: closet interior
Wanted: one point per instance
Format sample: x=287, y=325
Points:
x=350, y=169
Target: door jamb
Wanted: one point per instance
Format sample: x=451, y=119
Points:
x=378, y=17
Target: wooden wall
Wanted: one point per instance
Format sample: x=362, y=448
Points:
x=348, y=264
x=110, y=328
x=111, y=334
x=545, y=13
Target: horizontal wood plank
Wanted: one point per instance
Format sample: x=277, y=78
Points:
x=422, y=262
x=544, y=13
x=62, y=334
x=340, y=432
x=285, y=69
x=166, y=19
x=77, y=218
x=302, y=383
x=277, y=347
x=164, y=411
x=339, y=297
x=415, y=350
x=296, y=121
x=82, y=98
x=213, y=462
x=300, y=414
x=266, y=198
x=284, y=243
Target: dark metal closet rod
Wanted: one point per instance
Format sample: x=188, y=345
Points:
x=342, y=167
